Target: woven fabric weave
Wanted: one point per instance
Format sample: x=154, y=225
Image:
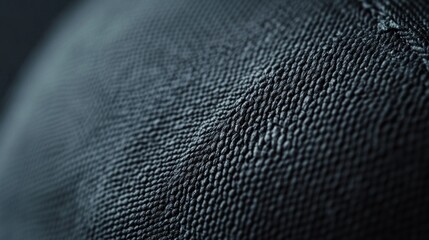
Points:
x=244, y=119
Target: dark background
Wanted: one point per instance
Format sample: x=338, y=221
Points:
x=23, y=23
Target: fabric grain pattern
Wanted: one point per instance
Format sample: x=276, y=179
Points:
x=181, y=119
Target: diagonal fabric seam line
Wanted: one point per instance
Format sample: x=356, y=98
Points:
x=389, y=22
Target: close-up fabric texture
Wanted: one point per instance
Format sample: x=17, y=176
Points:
x=223, y=119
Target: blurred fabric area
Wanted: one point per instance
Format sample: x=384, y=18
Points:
x=23, y=23
x=220, y=119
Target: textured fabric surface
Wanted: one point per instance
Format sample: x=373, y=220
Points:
x=180, y=119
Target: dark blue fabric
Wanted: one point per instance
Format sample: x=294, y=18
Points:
x=185, y=119
x=22, y=25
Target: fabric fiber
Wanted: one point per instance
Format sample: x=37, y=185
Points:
x=244, y=119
